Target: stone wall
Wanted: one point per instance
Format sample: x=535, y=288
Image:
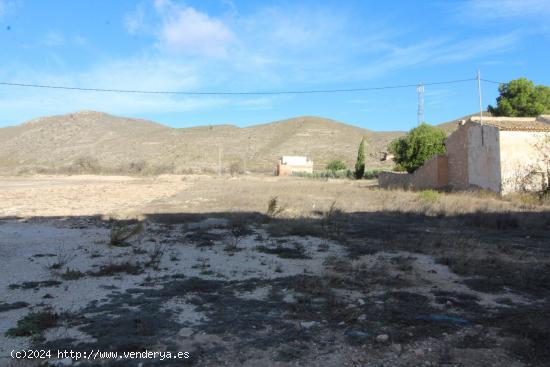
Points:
x=433, y=174
x=457, y=154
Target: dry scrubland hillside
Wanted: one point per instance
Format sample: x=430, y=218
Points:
x=97, y=142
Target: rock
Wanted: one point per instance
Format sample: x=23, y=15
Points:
x=361, y=302
x=449, y=304
x=186, y=332
x=382, y=338
x=357, y=334
x=398, y=348
x=418, y=352
x=308, y=324
x=363, y=317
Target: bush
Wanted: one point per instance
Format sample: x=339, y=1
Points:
x=336, y=165
x=372, y=173
x=419, y=145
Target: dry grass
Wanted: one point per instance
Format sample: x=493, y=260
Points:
x=301, y=197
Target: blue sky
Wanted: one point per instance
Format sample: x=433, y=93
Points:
x=225, y=45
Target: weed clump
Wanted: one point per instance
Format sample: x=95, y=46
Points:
x=273, y=207
x=34, y=324
x=72, y=274
x=122, y=232
x=429, y=196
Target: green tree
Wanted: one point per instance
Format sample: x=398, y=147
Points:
x=336, y=165
x=360, y=163
x=520, y=98
x=419, y=145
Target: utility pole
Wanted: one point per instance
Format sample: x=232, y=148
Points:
x=478, y=77
x=420, y=113
x=247, y=154
x=219, y=159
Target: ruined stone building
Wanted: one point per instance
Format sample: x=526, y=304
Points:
x=501, y=154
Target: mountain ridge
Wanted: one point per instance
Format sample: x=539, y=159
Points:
x=98, y=142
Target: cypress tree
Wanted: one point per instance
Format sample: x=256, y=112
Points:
x=360, y=163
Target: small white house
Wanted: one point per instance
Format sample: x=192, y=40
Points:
x=289, y=164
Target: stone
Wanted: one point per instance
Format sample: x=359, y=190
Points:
x=382, y=338
x=308, y=324
x=398, y=348
x=186, y=332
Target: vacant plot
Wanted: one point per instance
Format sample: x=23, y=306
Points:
x=266, y=271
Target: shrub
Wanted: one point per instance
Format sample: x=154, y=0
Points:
x=347, y=173
x=336, y=165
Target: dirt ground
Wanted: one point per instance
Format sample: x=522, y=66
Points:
x=268, y=271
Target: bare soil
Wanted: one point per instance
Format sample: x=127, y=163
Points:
x=339, y=273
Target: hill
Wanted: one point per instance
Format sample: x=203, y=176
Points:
x=97, y=142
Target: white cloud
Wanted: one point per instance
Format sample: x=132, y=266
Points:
x=436, y=52
x=507, y=8
x=187, y=30
x=135, y=21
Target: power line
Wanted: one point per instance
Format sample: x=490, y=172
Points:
x=313, y=91
x=492, y=81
